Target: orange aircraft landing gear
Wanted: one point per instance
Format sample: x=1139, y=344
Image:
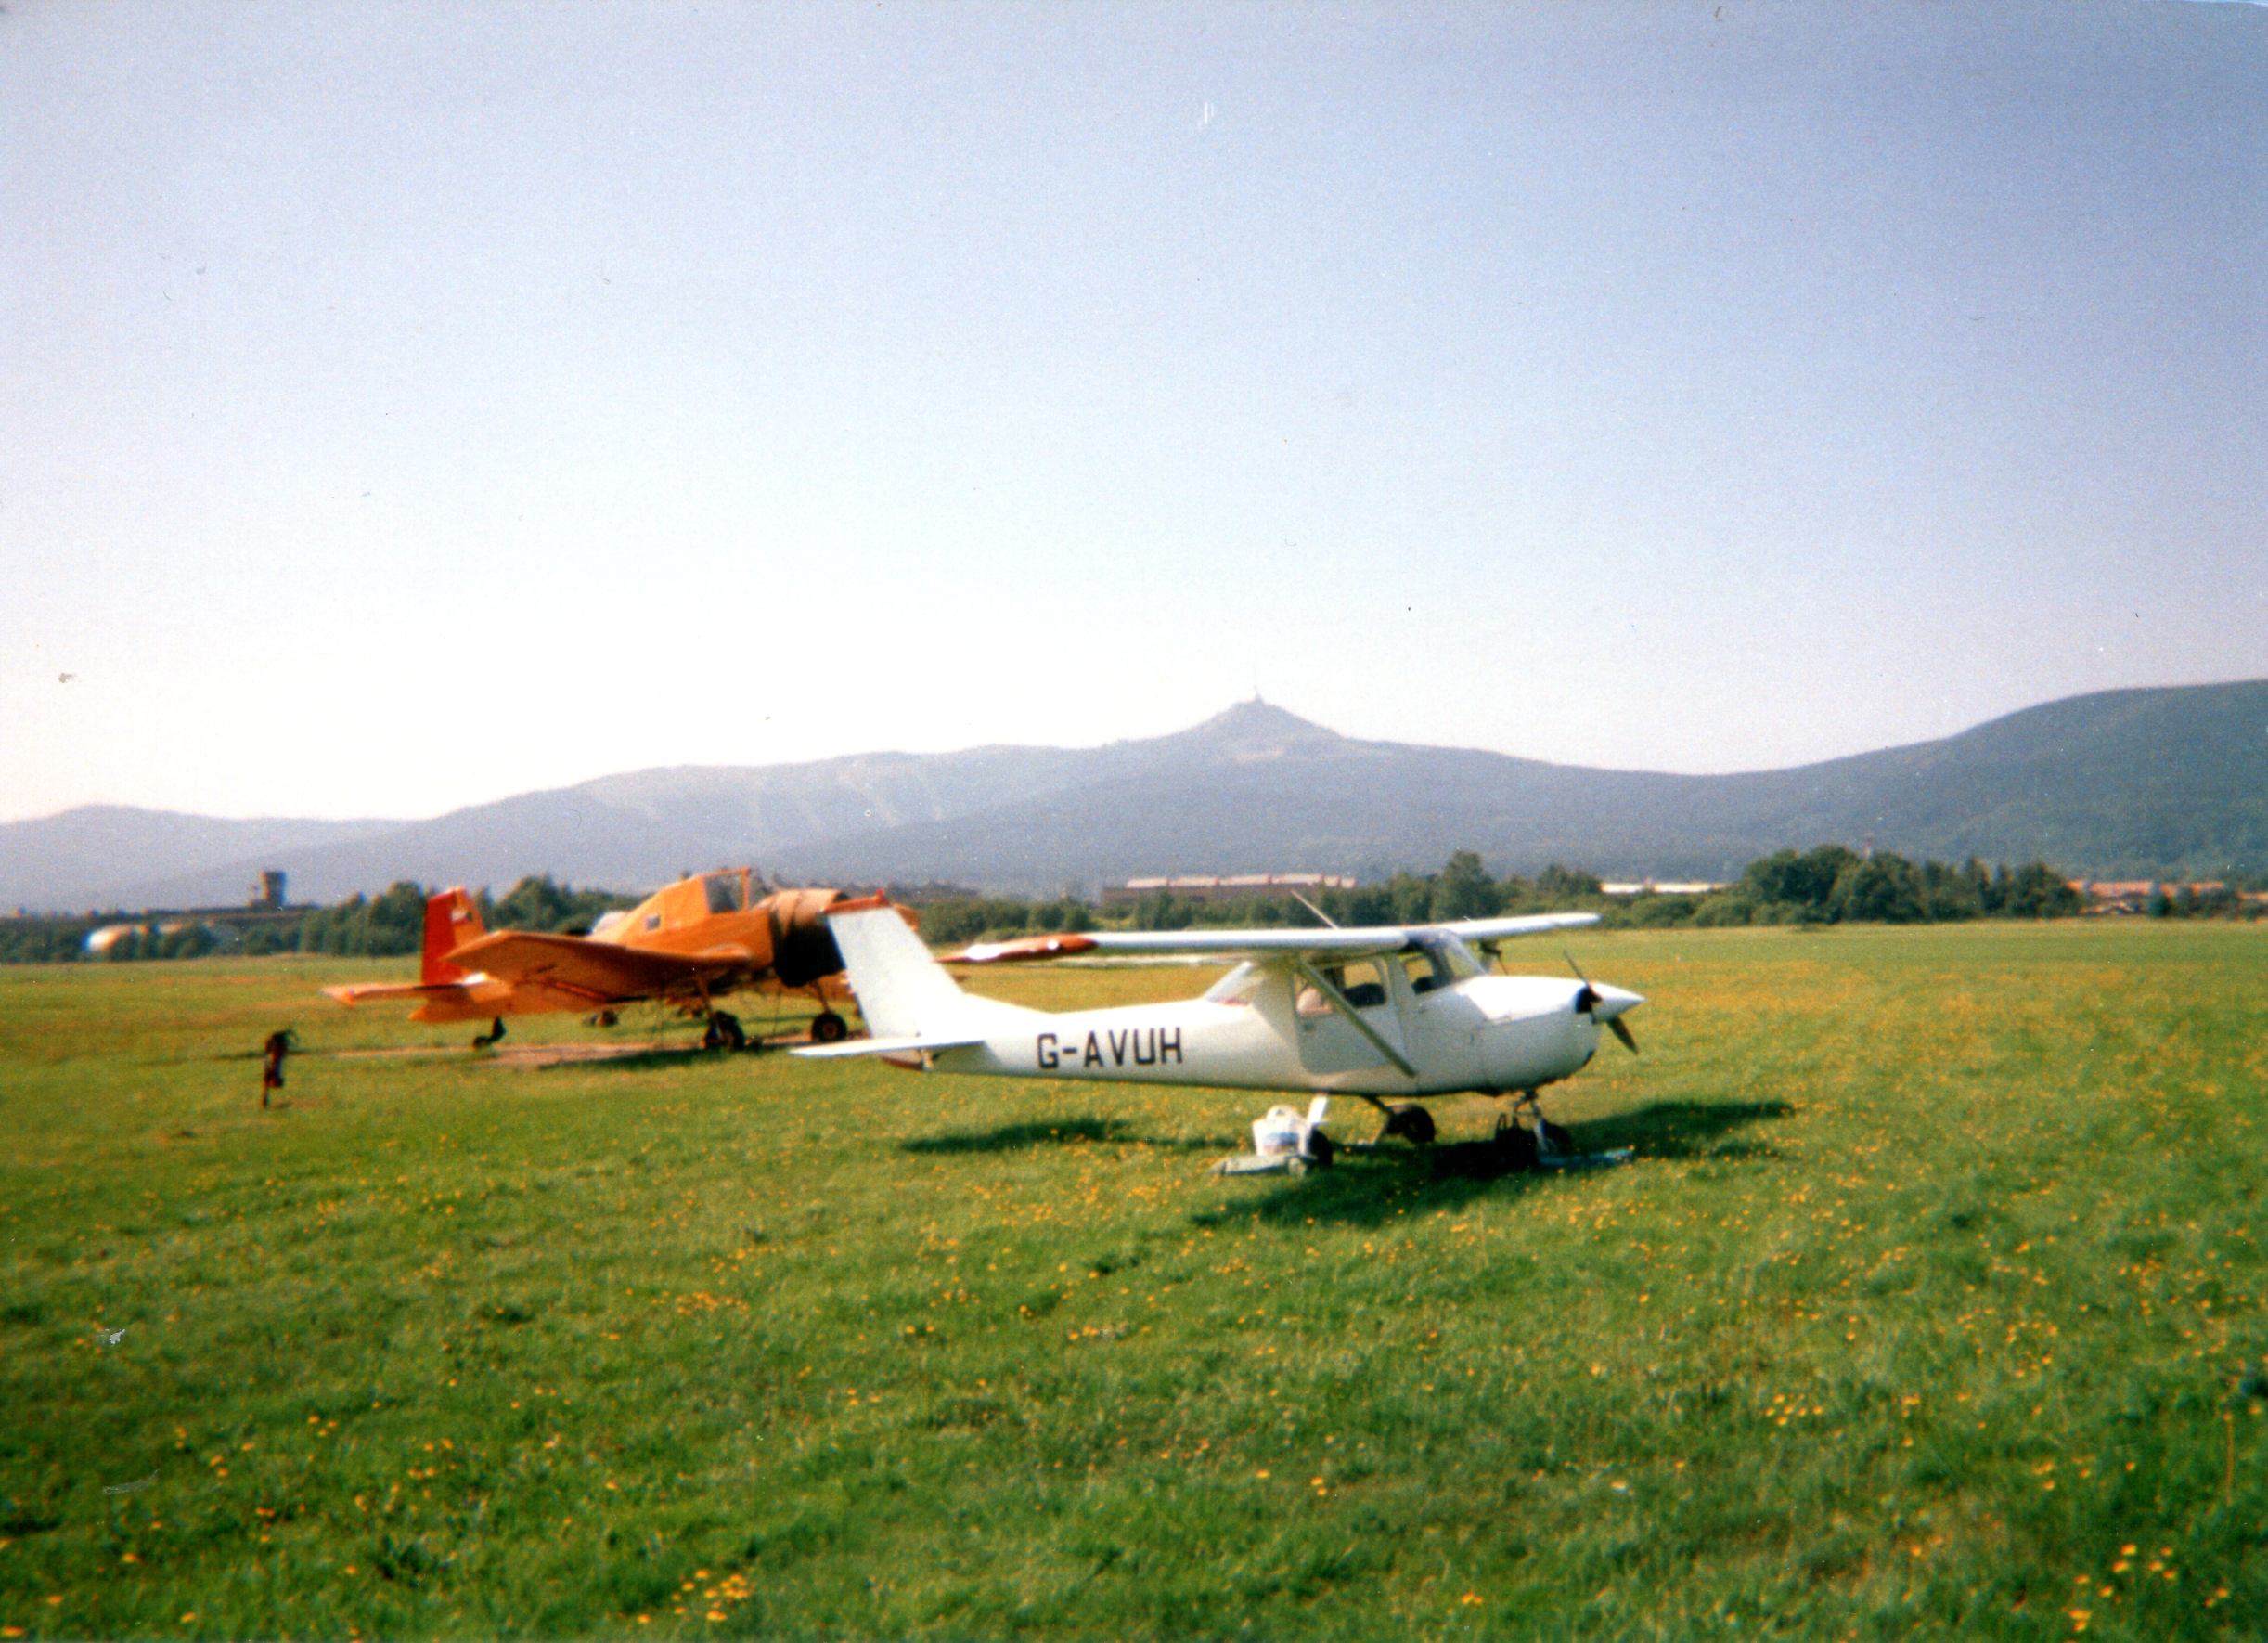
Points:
x=725, y=1033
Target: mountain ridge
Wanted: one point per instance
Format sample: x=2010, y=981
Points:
x=2166, y=781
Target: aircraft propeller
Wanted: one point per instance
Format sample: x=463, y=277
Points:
x=1587, y=1001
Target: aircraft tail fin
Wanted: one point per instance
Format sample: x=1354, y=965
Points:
x=902, y=990
x=451, y=920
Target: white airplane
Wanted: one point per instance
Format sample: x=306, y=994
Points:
x=1386, y=1014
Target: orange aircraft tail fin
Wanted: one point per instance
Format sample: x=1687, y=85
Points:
x=451, y=920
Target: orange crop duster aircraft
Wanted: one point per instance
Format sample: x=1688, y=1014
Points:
x=686, y=945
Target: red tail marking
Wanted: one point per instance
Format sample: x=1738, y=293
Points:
x=451, y=920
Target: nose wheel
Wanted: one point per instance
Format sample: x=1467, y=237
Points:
x=1551, y=1141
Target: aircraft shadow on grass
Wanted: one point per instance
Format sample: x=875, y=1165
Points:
x=636, y=1061
x=1685, y=1128
x=1370, y=1188
x=1065, y=1132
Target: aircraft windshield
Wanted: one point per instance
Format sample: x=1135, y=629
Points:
x=1457, y=959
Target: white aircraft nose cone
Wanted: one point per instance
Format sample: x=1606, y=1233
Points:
x=1613, y=1000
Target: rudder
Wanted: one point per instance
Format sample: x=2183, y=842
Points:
x=902, y=990
x=451, y=920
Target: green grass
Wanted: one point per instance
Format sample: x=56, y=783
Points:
x=1937, y=1286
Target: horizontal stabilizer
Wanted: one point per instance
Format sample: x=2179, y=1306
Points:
x=912, y=1044
x=384, y=990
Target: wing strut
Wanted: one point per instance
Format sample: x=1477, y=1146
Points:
x=1337, y=1000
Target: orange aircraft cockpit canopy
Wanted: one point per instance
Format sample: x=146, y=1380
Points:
x=727, y=891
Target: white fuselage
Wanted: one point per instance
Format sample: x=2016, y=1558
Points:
x=1489, y=1033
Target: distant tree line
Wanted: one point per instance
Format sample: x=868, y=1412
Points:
x=1830, y=884
x=388, y=924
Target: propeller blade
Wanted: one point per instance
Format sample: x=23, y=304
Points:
x=1615, y=1025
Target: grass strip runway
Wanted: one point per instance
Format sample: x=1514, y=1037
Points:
x=1933, y=1304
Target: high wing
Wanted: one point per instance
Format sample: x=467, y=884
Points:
x=1352, y=942
x=601, y=972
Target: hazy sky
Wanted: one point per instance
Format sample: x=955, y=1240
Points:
x=409, y=405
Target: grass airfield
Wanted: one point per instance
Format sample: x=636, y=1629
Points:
x=1933, y=1304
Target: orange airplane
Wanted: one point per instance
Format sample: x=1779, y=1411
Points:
x=685, y=945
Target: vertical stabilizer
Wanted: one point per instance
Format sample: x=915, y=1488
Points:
x=451, y=920
x=902, y=990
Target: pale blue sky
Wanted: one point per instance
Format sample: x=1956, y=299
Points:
x=412, y=405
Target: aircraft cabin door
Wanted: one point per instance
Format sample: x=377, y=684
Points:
x=1329, y=1043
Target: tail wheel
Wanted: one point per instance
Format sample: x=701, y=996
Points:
x=827, y=1028
x=1412, y=1122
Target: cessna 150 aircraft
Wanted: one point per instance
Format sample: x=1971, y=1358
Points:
x=687, y=945
x=1378, y=1013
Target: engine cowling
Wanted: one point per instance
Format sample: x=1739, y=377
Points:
x=804, y=948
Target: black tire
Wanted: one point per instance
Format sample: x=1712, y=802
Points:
x=1555, y=1139
x=827, y=1028
x=1320, y=1150
x=1412, y=1122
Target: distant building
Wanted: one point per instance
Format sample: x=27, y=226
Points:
x=1646, y=887
x=1249, y=886
x=265, y=906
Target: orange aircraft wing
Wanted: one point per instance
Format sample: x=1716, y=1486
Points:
x=601, y=972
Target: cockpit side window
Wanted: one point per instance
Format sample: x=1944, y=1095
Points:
x=1362, y=983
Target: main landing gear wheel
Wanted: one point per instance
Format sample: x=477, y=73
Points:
x=827, y=1028
x=724, y=1033
x=1410, y=1122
